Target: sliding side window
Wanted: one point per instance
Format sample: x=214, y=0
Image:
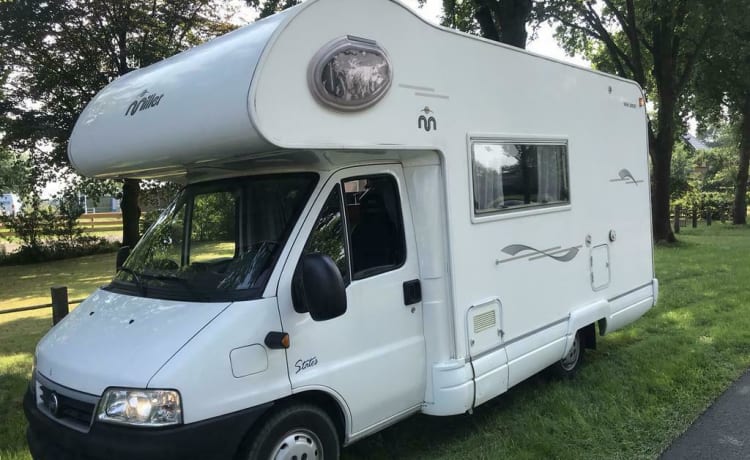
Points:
x=510, y=176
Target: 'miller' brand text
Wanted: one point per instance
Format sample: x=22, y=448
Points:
x=145, y=102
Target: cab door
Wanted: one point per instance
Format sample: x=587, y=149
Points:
x=373, y=356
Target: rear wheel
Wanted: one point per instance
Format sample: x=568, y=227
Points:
x=295, y=432
x=571, y=362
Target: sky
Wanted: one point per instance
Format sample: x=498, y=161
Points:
x=543, y=44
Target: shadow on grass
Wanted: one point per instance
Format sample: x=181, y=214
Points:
x=21, y=335
x=425, y=436
x=13, y=384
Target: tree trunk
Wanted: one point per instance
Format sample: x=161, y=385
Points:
x=512, y=21
x=661, y=159
x=131, y=212
x=503, y=20
x=740, y=194
x=660, y=195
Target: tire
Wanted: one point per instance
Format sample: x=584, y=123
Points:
x=569, y=365
x=295, y=432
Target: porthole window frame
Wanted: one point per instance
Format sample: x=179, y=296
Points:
x=326, y=53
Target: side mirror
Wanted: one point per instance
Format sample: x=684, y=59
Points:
x=317, y=288
x=122, y=256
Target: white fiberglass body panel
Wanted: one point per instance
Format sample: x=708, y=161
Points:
x=119, y=340
x=185, y=110
x=214, y=373
x=478, y=90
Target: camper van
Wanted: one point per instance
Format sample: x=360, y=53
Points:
x=380, y=217
x=10, y=204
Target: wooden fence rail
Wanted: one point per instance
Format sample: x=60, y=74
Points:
x=60, y=304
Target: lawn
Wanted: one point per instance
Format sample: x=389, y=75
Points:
x=641, y=388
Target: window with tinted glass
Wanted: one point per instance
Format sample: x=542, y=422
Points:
x=213, y=225
x=514, y=176
x=375, y=225
x=328, y=235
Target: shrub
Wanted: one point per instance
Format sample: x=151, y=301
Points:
x=46, y=234
x=57, y=250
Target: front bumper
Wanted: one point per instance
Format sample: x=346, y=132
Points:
x=216, y=438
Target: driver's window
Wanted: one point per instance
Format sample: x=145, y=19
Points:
x=328, y=235
x=213, y=227
x=376, y=229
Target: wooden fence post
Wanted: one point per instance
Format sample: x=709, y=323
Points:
x=677, y=215
x=59, y=303
x=695, y=217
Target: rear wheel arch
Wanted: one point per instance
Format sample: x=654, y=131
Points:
x=589, y=335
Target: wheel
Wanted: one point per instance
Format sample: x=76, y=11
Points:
x=295, y=432
x=571, y=362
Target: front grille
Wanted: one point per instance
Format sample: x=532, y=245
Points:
x=69, y=409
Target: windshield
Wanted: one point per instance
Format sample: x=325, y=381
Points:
x=218, y=240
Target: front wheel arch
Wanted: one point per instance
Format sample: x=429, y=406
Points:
x=320, y=399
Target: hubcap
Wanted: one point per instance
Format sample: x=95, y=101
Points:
x=298, y=445
x=569, y=361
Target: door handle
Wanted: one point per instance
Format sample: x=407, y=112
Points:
x=412, y=292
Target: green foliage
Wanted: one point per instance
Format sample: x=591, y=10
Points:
x=683, y=167
x=656, y=43
x=269, y=7
x=14, y=172
x=499, y=20
x=704, y=181
x=156, y=195
x=48, y=233
x=62, y=52
x=721, y=86
x=213, y=217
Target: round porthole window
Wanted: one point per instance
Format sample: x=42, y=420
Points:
x=350, y=73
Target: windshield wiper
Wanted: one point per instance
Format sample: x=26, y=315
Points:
x=176, y=278
x=137, y=278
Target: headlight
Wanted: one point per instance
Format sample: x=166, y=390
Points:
x=140, y=407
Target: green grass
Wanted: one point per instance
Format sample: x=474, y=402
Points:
x=640, y=389
x=29, y=284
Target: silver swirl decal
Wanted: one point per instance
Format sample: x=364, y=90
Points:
x=527, y=252
x=627, y=177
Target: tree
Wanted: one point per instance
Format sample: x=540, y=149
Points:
x=722, y=93
x=14, y=172
x=268, y=7
x=656, y=43
x=499, y=20
x=58, y=54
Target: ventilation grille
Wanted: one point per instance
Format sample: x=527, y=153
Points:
x=484, y=321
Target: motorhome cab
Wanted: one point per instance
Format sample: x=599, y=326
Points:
x=380, y=217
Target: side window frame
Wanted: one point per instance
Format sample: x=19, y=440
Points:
x=188, y=229
x=338, y=187
x=400, y=225
x=521, y=211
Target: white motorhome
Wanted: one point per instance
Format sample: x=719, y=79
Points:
x=10, y=204
x=380, y=217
